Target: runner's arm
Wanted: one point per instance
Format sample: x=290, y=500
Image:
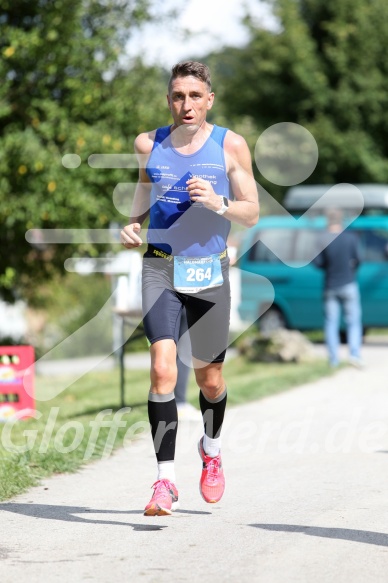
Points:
x=245, y=208
x=141, y=204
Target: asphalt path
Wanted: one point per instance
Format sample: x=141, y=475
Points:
x=305, y=501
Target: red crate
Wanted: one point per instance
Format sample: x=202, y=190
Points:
x=16, y=381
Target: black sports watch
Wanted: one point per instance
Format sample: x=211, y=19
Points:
x=224, y=206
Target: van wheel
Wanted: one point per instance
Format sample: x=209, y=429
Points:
x=271, y=320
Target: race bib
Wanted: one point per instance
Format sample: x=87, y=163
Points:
x=195, y=274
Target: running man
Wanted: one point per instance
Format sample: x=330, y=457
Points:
x=194, y=178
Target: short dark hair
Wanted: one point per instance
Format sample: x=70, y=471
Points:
x=191, y=68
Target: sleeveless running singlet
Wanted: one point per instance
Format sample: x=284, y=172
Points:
x=178, y=226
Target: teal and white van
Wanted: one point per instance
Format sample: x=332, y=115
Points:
x=279, y=248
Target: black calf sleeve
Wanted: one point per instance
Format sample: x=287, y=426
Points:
x=213, y=412
x=163, y=418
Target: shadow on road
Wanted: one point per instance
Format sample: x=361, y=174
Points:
x=68, y=514
x=360, y=536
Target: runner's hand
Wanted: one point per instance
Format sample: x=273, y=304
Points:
x=201, y=190
x=129, y=237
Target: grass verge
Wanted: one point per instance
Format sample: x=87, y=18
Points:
x=85, y=422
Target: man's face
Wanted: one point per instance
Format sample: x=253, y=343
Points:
x=189, y=101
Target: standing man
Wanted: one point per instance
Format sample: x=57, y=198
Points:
x=195, y=177
x=340, y=259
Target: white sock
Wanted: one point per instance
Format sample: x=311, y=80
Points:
x=211, y=446
x=166, y=471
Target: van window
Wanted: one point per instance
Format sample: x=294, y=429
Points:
x=374, y=245
x=306, y=240
x=271, y=244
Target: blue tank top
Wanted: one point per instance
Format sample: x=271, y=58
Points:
x=176, y=225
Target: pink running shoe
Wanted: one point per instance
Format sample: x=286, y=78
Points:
x=164, y=499
x=212, y=483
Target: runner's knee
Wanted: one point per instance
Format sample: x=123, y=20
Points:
x=163, y=372
x=211, y=384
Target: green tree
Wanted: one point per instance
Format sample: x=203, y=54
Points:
x=324, y=66
x=66, y=87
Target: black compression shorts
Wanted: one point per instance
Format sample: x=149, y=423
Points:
x=208, y=311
